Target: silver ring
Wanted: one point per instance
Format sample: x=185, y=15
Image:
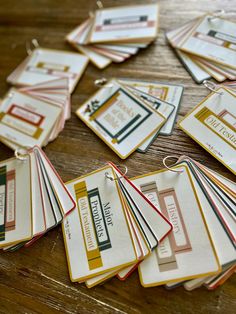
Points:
x=20, y=156
x=99, y=4
x=28, y=46
x=216, y=15
x=166, y=166
x=102, y=83
x=115, y=179
x=211, y=86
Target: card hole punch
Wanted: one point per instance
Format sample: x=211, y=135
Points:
x=22, y=153
x=212, y=87
x=30, y=46
x=107, y=176
x=169, y=167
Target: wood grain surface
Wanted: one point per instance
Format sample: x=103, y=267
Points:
x=36, y=280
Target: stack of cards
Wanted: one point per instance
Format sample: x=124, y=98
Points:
x=206, y=47
x=128, y=114
x=33, y=199
x=43, y=65
x=113, y=228
x=120, y=225
x=212, y=124
x=34, y=115
x=115, y=34
x=197, y=201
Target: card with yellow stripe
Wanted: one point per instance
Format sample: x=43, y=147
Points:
x=97, y=236
x=212, y=124
x=120, y=118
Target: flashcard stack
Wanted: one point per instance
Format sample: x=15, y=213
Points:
x=34, y=115
x=212, y=124
x=153, y=92
x=43, y=65
x=120, y=225
x=115, y=34
x=181, y=249
x=127, y=115
x=219, y=209
x=33, y=199
x=113, y=228
x=207, y=47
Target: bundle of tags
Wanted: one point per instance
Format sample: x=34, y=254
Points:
x=160, y=214
x=129, y=114
x=115, y=34
x=212, y=123
x=207, y=47
x=36, y=112
x=43, y=65
x=33, y=199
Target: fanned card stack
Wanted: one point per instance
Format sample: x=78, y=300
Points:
x=43, y=65
x=115, y=34
x=150, y=223
x=129, y=114
x=34, y=115
x=112, y=229
x=33, y=199
x=207, y=47
x=212, y=124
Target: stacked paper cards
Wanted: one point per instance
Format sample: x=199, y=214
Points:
x=120, y=225
x=113, y=228
x=197, y=201
x=115, y=34
x=127, y=115
x=34, y=115
x=212, y=124
x=206, y=46
x=33, y=199
x=43, y=65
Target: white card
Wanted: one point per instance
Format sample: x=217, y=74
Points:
x=46, y=64
x=212, y=124
x=106, y=246
x=170, y=93
x=213, y=39
x=18, y=221
x=119, y=118
x=128, y=23
x=27, y=121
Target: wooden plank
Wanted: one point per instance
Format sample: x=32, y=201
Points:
x=35, y=280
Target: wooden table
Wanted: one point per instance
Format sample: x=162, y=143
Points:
x=35, y=280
